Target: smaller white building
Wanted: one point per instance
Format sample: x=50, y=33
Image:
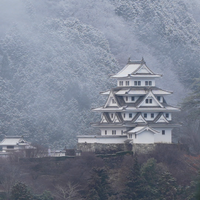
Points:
x=12, y=144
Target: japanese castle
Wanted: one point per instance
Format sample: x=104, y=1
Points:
x=135, y=111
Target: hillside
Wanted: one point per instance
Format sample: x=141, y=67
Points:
x=55, y=58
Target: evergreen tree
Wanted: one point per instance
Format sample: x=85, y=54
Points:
x=151, y=173
x=99, y=187
x=134, y=188
x=167, y=187
x=20, y=191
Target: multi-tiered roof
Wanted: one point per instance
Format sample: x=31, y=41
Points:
x=137, y=107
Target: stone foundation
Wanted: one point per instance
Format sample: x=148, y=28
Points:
x=100, y=148
x=136, y=148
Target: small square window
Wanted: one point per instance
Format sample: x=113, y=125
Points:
x=167, y=115
x=147, y=100
x=139, y=82
x=127, y=83
x=145, y=115
x=121, y=83
x=130, y=135
x=135, y=82
x=150, y=82
x=163, y=132
x=113, y=101
x=126, y=98
x=10, y=147
x=132, y=98
x=124, y=115
x=113, y=132
x=111, y=115
x=150, y=100
x=105, y=132
x=122, y=132
x=158, y=97
x=146, y=82
x=130, y=115
x=152, y=115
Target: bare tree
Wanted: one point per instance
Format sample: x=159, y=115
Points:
x=67, y=191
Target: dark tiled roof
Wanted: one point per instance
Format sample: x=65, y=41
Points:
x=157, y=117
x=136, y=116
x=120, y=101
x=119, y=116
x=106, y=115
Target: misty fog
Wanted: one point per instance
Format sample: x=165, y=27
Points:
x=56, y=56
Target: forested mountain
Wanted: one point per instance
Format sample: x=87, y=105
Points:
x=56, y=56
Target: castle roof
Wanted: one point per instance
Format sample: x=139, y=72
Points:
x=13, y=140
x=126, y=91
x=135, y=69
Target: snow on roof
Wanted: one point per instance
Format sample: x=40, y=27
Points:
x=136, y=129
x=140, y=129
x=128, y=69
x=105, y=93
x=136, y=69
x=14, y=140
x=140, y=109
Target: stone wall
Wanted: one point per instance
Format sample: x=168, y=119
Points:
x=136, y=148
x=100, y=148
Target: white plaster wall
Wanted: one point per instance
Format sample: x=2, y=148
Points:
x=149, y=116
x=131, y=81
x=130, y=99
x=142, y=81
x=127, y=116
x=170, y=116
x=146, y=137
x=103, y=140
x=154, y=103
x=109, y=131
x=111, y=102
x=167, y=138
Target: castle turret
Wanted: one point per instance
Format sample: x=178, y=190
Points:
x=135, y=110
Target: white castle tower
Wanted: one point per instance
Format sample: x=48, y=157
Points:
x=135, y=110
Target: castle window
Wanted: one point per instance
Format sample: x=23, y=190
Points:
x=148, y=100
x=127, y=83
x=158, y=98
x=148, y=83
x=145, y=115
x=113, y=101
x=122, y=132
x=10, y=147
x=137, y=82
x=167, y=115
x=113, y=132
x=105, y=132
x=121, y=83
x=163, y=132
x=130, y=115
x=152, y=115
x=132, y=98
